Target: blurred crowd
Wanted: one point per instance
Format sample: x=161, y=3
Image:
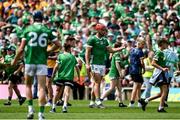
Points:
x=126, y=20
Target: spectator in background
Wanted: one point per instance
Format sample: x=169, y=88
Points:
x=149, y=71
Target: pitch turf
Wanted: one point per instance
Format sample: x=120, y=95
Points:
x=80, y=110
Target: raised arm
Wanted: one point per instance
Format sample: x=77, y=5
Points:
x=19, y=52
x=112, y=50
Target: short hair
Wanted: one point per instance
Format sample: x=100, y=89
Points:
x=70, y=38
x=161, y=42
x=117, y=44
x=67, y=47
x=140, y=40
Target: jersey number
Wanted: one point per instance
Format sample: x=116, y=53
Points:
x=38, y=40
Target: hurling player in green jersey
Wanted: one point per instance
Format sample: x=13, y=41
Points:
x=13, y=74
x=64, y=76
x=160, y=77
x=34, y=45
x=115, y=75
x=96, y=49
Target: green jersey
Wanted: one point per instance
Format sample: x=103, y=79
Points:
x=66, y=62
x=8, y=59
x=125, y=61
x=99, y=49
x=37, y=36
x=113, y=73
x=160, y=58
x=10, y=69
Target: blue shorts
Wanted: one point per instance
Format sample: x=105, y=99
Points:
x=50, y=71
x=137, y=78
x=161, y=80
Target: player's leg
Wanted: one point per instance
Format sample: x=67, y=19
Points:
x=139, y=94
x=41, y=90
x=144, y=102
x=119, y=93
x=15, y=80
x=93, y=98
x=58, y=93
x=164, y=89
x=133, y=94
x=35, y=87
x=97, y=82
x=29, y=76
x=29, y=97
x=10, y=93
x=66, y=98
x=98, y=71
x=16, y=90
x=41, y=72
x=49, y=87
x=113, y=83
x=168, y=87
x=67, y=89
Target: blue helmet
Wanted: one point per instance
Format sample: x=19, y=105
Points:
x=38, y=15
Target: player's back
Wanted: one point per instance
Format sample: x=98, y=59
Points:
x=37, y=36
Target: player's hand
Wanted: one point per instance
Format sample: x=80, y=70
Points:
x=165, y=69
x=120, y=48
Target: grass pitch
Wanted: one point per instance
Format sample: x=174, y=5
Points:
x=80, y=110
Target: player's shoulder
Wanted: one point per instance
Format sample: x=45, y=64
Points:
x=92, y=37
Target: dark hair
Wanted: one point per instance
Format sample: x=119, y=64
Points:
x=38, y=15
x=70, y=38
x=146, y=52
x=67, y=47
x=117, y=44
x=162, y=41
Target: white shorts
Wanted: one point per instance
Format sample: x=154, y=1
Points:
x=32, y=69
x=98, y=69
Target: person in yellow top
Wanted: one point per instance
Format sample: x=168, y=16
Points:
x=20, y=3
x=149, y=71
x=52, y=57
x=7, y=6
x=40, y=4
x=1, y=10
